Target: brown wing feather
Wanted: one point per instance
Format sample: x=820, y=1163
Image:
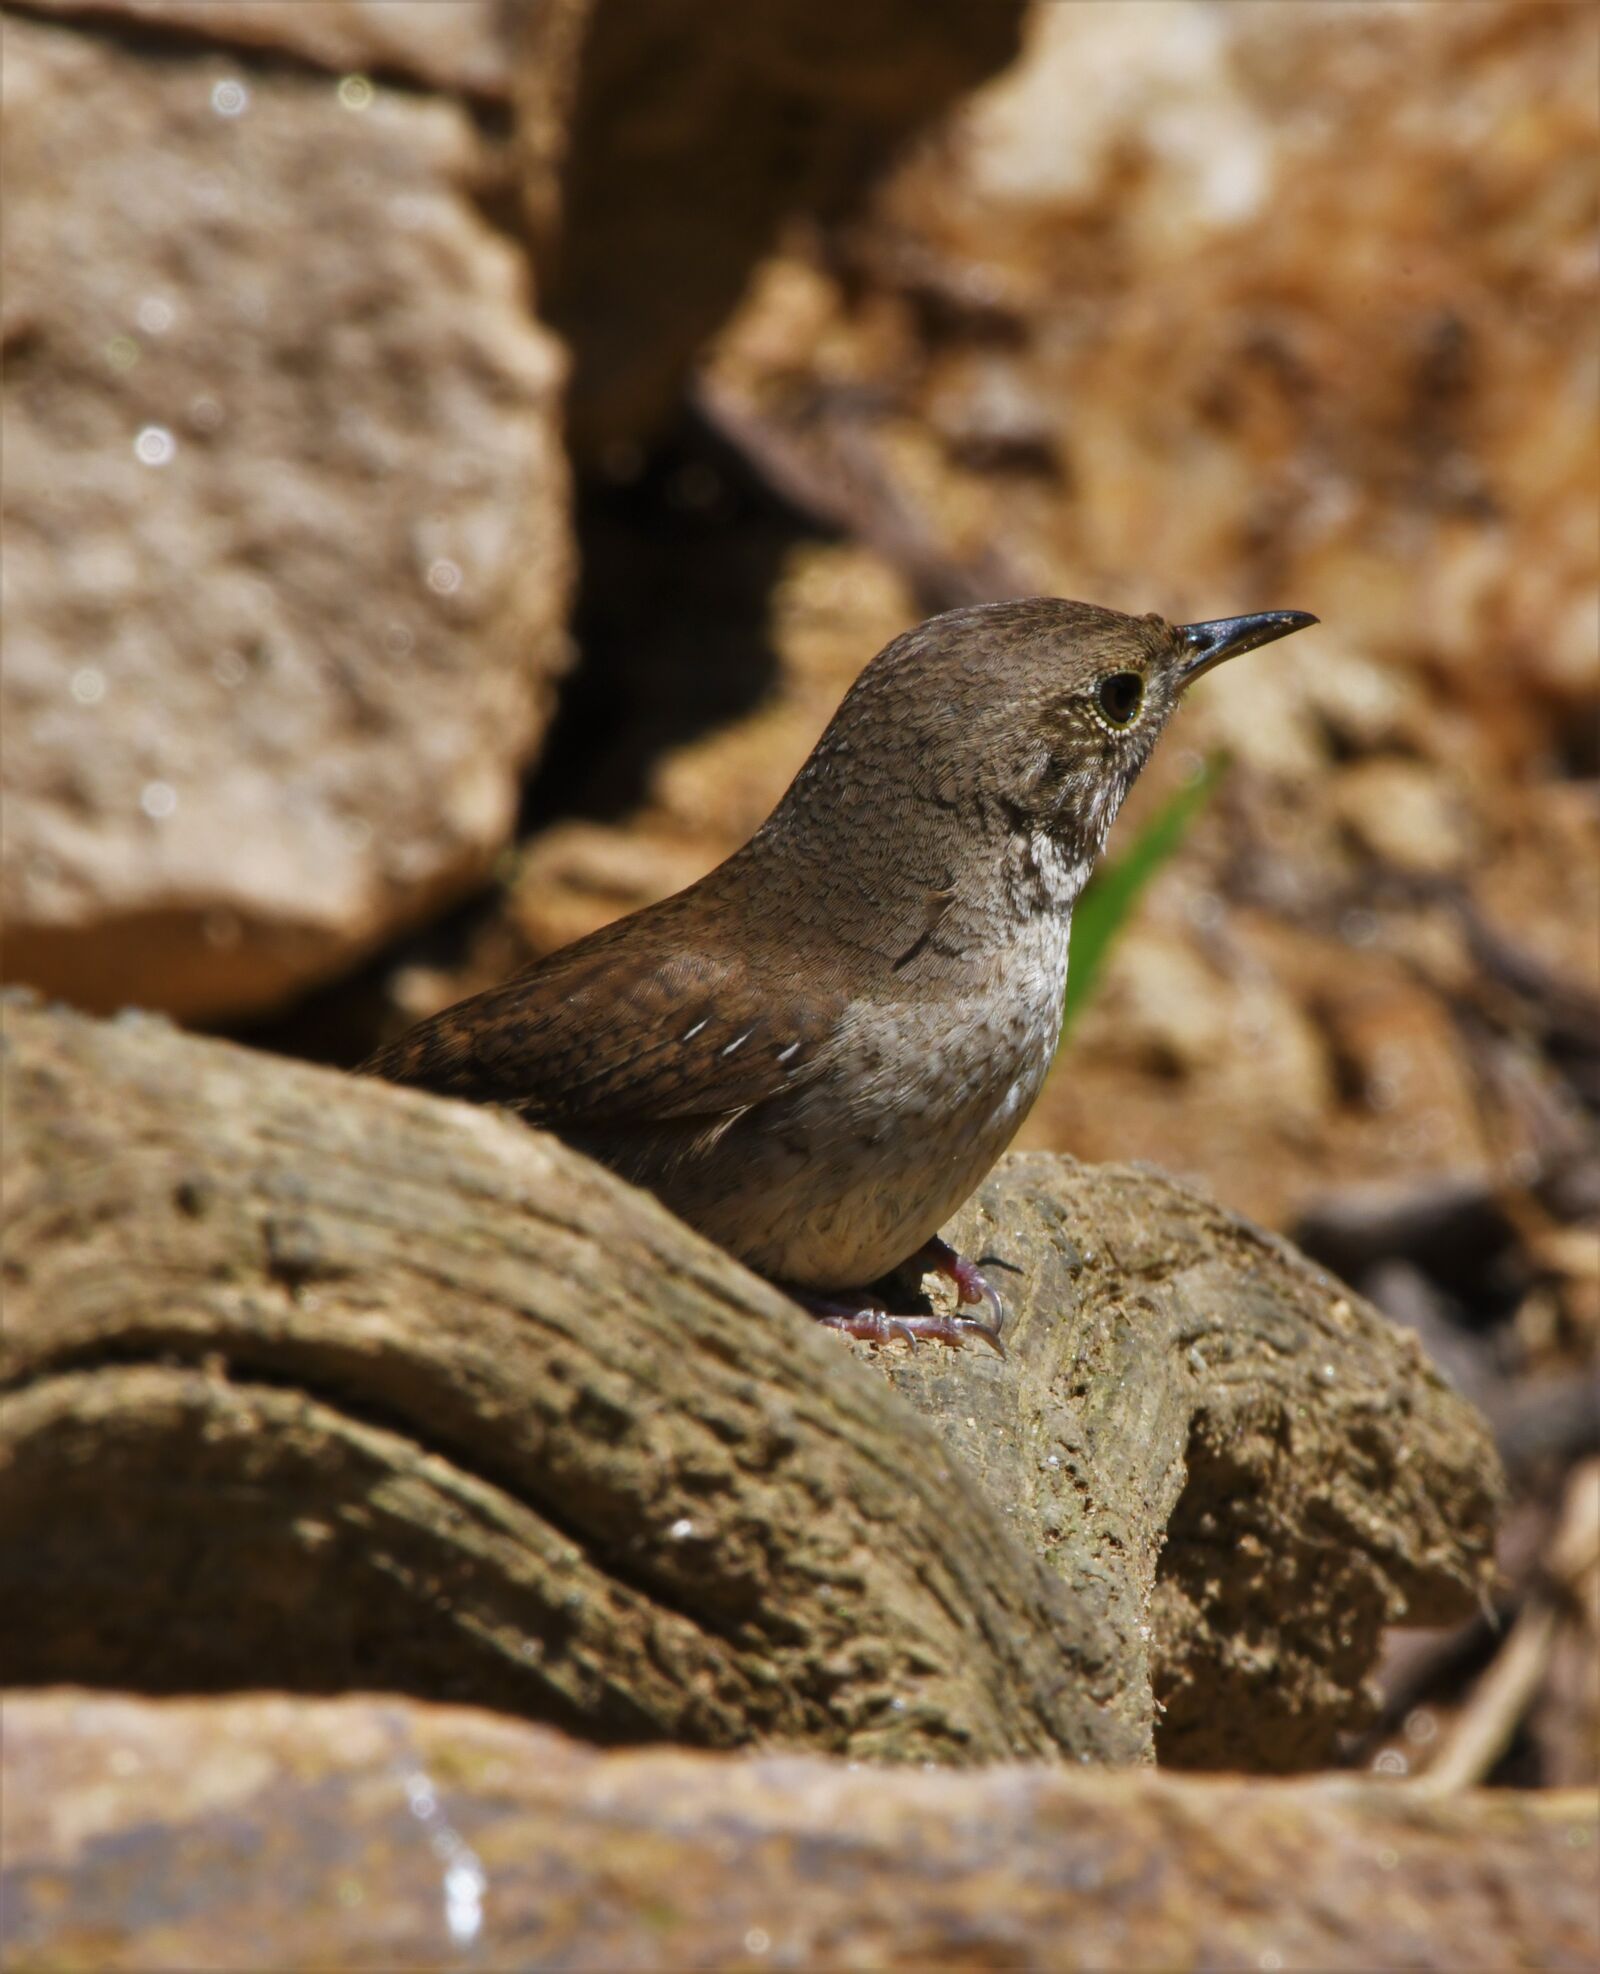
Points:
x=630, y=1028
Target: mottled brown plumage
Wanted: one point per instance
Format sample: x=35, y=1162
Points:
x=815, y=1053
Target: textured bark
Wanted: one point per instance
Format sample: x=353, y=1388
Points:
x=263, y=1832
x=313, y=1382
x=1241, y=1468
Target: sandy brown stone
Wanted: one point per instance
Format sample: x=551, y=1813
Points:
x=353, y=1833
x=448, y=44
x=285, y=511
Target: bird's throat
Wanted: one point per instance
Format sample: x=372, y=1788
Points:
x=1058, y=876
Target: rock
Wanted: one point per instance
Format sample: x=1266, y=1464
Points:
x=457, y=45
x=682, y=137
x=286, y=524
x=1406, y=814
x=264, y=1831
x=313, y=1382
x=1415, y=470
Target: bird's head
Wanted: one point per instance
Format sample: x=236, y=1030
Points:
x=1031, y=716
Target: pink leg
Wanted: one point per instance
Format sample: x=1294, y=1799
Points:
x=860, y=1316
x=971, y=1284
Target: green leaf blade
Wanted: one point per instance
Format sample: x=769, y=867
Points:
x=1112, y=894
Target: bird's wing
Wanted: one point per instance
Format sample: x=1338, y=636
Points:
x=630, y=1028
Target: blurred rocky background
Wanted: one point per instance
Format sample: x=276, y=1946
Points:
x=456, y=454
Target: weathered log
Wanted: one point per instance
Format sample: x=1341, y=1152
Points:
x=310, y=1382
x=1228, y=1454
x=265, y=1832
x=318, y=1383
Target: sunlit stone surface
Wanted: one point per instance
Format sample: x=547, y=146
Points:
x=285, y=523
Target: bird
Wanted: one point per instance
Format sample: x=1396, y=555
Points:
x=815, y=1053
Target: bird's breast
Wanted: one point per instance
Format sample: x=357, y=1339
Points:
x=923, y=1091
x=967, y=1055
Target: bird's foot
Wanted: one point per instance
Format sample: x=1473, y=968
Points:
x=883, y=1326
x=971, y=1285
x=868, y=1319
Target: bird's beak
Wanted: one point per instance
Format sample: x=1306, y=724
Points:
x=1226, y=637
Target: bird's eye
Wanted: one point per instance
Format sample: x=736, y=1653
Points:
x=1119, y=697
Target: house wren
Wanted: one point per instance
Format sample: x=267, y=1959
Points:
x=816, y=1053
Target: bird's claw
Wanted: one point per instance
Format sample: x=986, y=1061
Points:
x=971, y=1284
x=871, y=1322
x=882, y=1326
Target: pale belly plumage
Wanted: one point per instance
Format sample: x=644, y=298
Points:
x=834, y=1190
